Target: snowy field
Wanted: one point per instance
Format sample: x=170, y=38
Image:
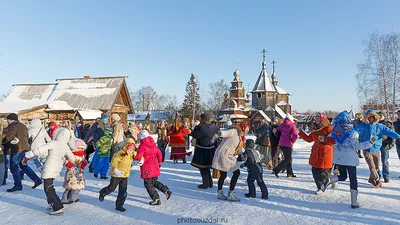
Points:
x=292, y=201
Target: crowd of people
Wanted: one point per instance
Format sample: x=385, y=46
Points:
x=337, y=146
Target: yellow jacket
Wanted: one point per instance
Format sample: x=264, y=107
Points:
x=123, y=160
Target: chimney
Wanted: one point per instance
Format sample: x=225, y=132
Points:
x=86, y=77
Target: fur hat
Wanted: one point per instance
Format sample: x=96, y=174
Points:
x=12, y=116
x=115, y=117
x=143, y=134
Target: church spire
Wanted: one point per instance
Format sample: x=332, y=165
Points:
x=264, y=64
x=273, y=76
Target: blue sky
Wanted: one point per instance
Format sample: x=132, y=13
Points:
x=317, y=44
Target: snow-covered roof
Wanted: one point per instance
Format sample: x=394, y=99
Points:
x=270, y=109
x=226, y=117
x=17, y=106
x=263, y=83
x=36, y=92
x=282, y=103
x=155, y=115
x=281, y=113
x=88, y=93
x=264, y=115
x=280, y=90
x=90, y=114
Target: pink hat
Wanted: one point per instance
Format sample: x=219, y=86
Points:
x=80, y=144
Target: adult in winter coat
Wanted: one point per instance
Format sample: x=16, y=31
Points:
x=118, y=134
x=52, y=129
x=387, y=144
x=345, y=155
x=252, y=160
x=17, y=136
x=204, y=150
x=74, y=175
x=121, y=165
x=274, y=141
x=366, y=130
x=178, y=142
x=39, y=137
x=321, y=151
x=263, y=133
x=150, y=169
x=225, y=160
x=162, y=138
x=57, y=150
x=288, y=138
x=396, y=126
x=359, y=119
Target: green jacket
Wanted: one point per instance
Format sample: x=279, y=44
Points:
x=104, y=144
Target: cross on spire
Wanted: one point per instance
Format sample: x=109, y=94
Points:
x=263, y=52
x=273, y=66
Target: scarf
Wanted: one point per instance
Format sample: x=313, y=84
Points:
x=342, y=127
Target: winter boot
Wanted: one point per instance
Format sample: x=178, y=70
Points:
x=354, y=202
x=120, y=208
x=14, y=189
x=210, y=180
x=104, y=178
x=184, y=160
x=291, y=176
x=248, y=195
x=56, y=213
x=101, y=197
x=319, y=192
x=386, y=180
x=333, y=182
x=205, y=183
x=168, y=194
x=232, y=197
x=4, y=183
x=221, y=195
x=155, y=202
x=37, y=184
x=264, y=196
x=91, y=170
x=359, y=154
x=96, y=175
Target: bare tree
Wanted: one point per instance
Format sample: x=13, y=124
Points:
x=378, y=75
x=143, y=99
x=215, y=98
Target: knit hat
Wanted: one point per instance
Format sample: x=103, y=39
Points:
x=143, y=134
x=250, y=143
x=196, y=122
x=79, y=143
x=104, y=116
x=115, y=117
x=12, y=116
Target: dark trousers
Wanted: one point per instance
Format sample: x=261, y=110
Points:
x=52, y=197
x=274, y=155
x=260, y=182
x=320, y=176
x=398, y=147
x=122, y=184
x=352, y=171
x=89, y=150
x=15, y=165
x=162, y=145
x=151, y=184
x=286, y=163
x=206, y=175
x=234, y=179
x=6, y=166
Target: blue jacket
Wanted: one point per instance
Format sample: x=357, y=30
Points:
x=366, y=131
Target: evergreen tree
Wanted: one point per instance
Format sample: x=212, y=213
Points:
x=191, y=105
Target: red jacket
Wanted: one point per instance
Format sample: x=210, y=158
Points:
x=321, y=152
x=177, y=140
x=152, y=158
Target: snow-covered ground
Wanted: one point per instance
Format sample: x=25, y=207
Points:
x=292, y=201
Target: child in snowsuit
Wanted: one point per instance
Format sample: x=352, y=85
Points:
x=252, y=160
x=104, y=145
x=121, y=168
x=57, y=150
x=150, y=170
x=74, y=176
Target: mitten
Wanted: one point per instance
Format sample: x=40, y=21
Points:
x=118, y=173
x=69, y=165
